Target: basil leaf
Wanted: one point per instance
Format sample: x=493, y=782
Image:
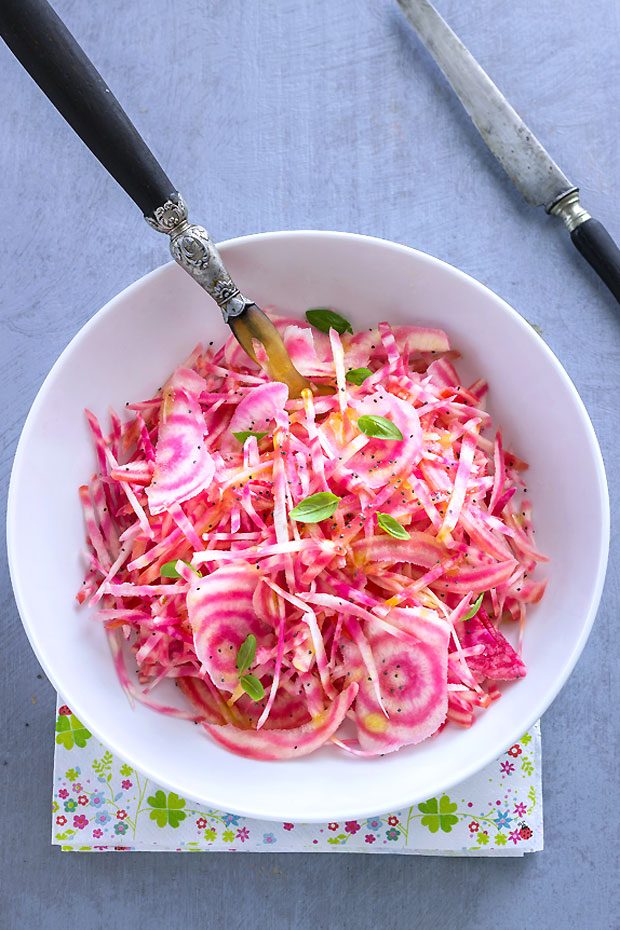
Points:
x=246, y=433
x=315, y=508
x=473, y=610
x=358, y=375
x=252, y=687
x=246, y=654
x=379, y=428
x=168, y=569
x=392, y=526
x=324, y=319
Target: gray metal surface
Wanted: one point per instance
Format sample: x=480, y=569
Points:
x=341, y=121
x=528, y=165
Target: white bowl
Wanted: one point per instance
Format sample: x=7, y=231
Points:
x=125, y=352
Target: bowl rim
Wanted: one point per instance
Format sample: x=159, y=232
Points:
x=230, y=245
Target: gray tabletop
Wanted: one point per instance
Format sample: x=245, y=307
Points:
x=286, y=114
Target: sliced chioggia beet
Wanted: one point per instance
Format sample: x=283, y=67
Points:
x=183, y=465
x=293, y=743
x=351, y=557
x=499, y=660
x=413, y=682
x=221, y=614
x=259, y=408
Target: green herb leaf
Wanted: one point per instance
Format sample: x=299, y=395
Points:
x=315, y=508
x=358, y=375
x=252, y=687
x=473, y=610
x=325, y=319
x=246, y=654
x=246, y=433
x=168, y=569
x=379, y=428
x=392, y=526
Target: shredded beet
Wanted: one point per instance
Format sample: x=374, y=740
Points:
x=294, y=564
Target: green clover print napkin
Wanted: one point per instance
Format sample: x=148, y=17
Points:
x=101, y=804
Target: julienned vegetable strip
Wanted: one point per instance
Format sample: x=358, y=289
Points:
x=358, y=553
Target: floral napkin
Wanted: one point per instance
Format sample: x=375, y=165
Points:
x=102, y=804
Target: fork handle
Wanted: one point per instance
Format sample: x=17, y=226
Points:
x=49, y=53
x=42, y=43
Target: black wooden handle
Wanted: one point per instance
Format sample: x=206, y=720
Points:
x=600, y=250
x=47, y=50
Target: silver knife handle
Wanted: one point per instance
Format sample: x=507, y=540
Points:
x=194, y=250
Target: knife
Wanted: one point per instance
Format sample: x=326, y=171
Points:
x=528, y=165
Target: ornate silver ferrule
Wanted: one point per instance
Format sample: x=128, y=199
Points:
x=193, y=249
x=570, y=211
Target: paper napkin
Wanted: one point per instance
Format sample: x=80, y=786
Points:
x=101, y=804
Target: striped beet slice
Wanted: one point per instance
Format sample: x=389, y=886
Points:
x=309, y=351
x=203, y=698
x=266, y=745
x=259, y=408
x=381, y=463
x=421, y=549
x=287, y=712
x=499, y=661
x=222, y=615
x=413, y=681
x=183, y=465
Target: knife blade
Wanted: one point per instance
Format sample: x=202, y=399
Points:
x=514, y=145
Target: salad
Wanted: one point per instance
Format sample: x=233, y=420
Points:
x=336, y=568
